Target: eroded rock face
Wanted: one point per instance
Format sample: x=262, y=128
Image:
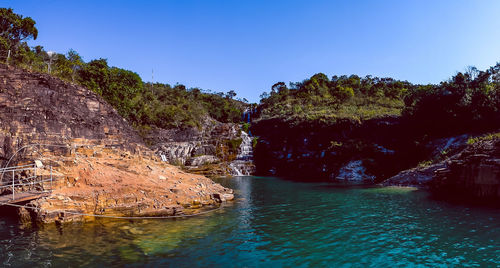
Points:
x=40, y=109
x=203, y=150
x=203, y=160
x=474, y=173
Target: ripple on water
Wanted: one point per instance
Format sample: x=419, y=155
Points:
x=276, y=222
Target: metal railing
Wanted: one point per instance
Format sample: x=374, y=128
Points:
x=24, y=180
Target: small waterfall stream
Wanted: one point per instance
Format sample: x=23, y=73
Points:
x=243, y=165
x=245, y=151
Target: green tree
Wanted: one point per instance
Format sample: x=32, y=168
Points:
x=76, y=63
x=318, y=84
x=123, y=86
x=278, y=88
x=62, y=67
x=95, y=75
x=14, y=30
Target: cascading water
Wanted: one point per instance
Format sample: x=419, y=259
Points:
x=243, y=165
x=245, y=151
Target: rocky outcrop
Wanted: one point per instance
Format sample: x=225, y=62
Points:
x=354, y=171
x=474, y=173
x=208, y=150
x=443, y=150
x=202, y=160
x=111, y=184
x=419, y=177
x=101, y=164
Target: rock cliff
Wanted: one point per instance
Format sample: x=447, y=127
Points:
x=40, y=109
x=369, y=151
x=346, y=150
x=102, y=163
x=182, y=145
x=474, y=173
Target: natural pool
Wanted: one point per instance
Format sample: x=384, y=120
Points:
x=276, y=222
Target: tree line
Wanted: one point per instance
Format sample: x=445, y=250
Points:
x=352, y=96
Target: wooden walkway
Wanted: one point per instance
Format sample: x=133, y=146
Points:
x=21, y=197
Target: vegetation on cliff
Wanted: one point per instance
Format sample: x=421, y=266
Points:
x=145, y=105
x=468, y=101
x=341, y=97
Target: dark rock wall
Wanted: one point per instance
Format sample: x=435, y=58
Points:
x=317, y=150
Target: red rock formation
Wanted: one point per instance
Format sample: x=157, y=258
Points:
x=106, y=182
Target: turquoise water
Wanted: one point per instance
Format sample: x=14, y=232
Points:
x=275, y=222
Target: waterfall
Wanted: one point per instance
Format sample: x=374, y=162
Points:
x=245, y=152
x=243, y=165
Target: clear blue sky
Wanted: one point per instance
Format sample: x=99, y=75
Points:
x=247, y=46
